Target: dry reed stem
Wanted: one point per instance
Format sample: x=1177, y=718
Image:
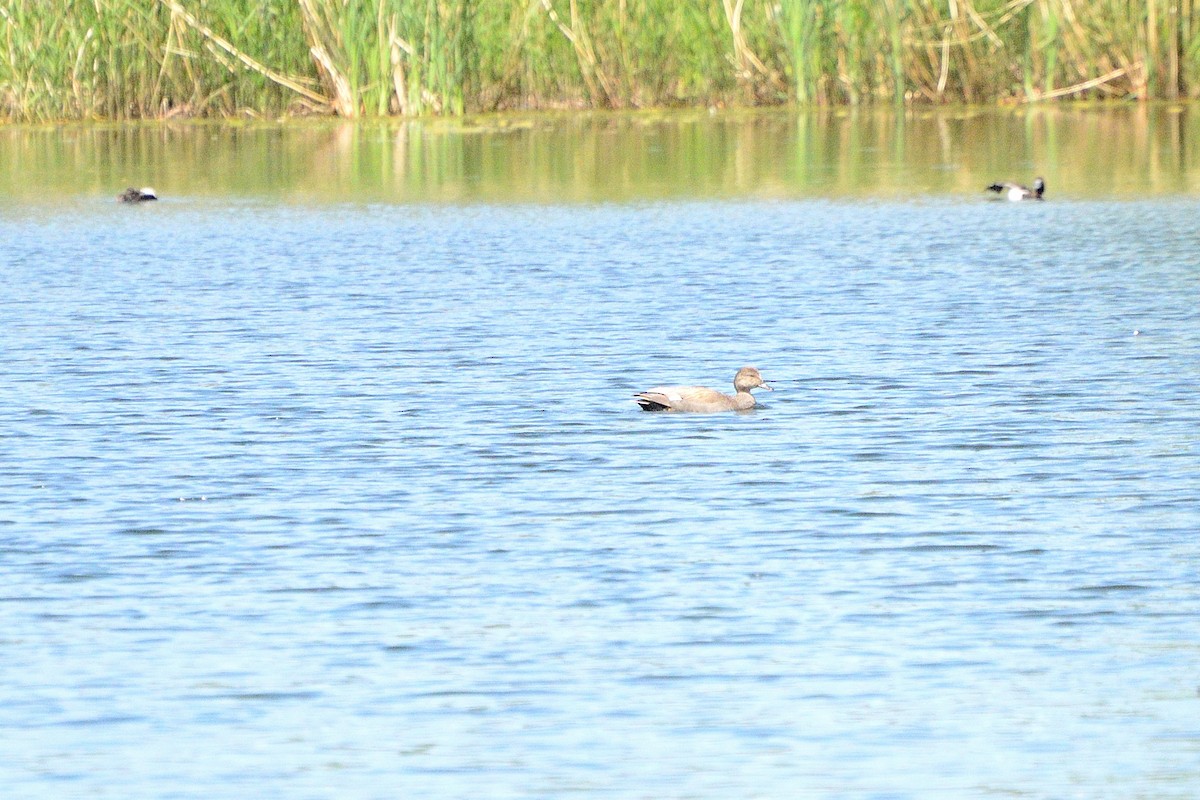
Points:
x=984, y=28
x=318, y=30
x=745, y=61
x=1080, y=87
x=741, y=61
x=597, y=84
x=266, y=72
x=945, y=71
x=397, y=46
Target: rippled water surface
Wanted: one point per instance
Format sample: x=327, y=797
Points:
x=350, y=499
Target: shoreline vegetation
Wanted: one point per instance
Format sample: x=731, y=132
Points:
x=159, y=59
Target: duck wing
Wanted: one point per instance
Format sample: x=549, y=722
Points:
x=683, y=398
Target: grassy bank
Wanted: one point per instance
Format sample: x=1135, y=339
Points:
x=72, y=59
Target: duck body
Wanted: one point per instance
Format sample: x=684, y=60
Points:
x=132, y=195
x=701, y=399
x=1015, y=192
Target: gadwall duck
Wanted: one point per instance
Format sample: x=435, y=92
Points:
x=1016, y=192
x=701, y=399
x=132, y=195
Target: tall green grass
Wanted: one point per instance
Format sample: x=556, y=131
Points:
x=79, y=59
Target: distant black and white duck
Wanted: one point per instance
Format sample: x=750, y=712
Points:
x=1016, y=192
x=132, y=195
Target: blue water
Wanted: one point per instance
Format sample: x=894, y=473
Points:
x=353, y=501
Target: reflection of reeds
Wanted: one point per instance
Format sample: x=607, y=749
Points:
x=131, y=58
x=1124, y=150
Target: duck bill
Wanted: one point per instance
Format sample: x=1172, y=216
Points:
x=767, y=386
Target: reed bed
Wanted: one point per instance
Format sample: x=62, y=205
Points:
x=121, y=59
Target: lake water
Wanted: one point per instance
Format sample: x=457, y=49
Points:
x=321, y=477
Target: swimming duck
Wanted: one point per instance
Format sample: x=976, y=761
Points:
x=700, y=399
x=132, y=195
x=1016, y=192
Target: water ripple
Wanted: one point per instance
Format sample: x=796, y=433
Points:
x=357, y=496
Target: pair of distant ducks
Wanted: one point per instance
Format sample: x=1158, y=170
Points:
x=1013, y=191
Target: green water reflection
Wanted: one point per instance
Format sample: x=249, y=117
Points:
x=1096, y=151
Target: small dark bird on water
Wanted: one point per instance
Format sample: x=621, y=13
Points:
x=132, y=195
x=1016, y=192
